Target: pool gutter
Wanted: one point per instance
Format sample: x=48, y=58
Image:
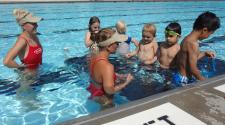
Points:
x=72, y=1
x=202, y=101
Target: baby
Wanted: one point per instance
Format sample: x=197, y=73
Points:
x=124, y=47
x=147, y=48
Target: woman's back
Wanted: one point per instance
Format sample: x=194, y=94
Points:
x=97, y=64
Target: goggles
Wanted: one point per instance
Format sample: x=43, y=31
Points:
x=170, y=32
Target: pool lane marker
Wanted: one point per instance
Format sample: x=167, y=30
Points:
x=165, y=114
x=220, y=88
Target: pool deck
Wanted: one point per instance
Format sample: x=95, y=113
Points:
x=199, y=104
x=69, y=1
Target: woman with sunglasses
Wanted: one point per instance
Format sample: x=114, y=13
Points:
x=27, y=47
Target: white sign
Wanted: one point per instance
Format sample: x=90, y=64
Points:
x=220, y=88
x=165, y=114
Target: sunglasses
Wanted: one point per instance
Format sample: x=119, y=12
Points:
x=34, y=24
x=117, y=43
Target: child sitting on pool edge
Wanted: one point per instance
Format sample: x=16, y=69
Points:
x=205, y=25
x=147, y=48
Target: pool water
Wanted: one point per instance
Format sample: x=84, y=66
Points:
x=60, y=93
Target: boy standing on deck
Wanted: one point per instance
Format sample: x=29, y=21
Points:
x=205, y=25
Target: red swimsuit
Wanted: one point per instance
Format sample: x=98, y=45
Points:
x=92, y=88
x=34, y=56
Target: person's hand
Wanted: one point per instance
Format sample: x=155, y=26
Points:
x=22, y=67
x=210, y=54
x=121, y=75
x=96, y=31
x=129, y=78
x=128, y=55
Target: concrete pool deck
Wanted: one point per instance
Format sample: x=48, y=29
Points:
x=199, y=104
x=68, y=1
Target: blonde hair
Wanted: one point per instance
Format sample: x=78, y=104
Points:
x=121, y=27
x=149, y=28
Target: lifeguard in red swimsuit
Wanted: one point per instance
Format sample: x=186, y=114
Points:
x=27, y=47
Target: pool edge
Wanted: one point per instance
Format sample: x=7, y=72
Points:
x=85, y=1
x=151, y=102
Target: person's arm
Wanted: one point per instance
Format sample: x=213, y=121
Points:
x=108, y=81
x=192, y=61
x=41, y=48
x=153, y=60
x=158, y=53
x=136, y=43
x=88, y=40
x=9, y=59
x=121, y=76
x=155, y=47
x=173, y=63
x=133, y=53
x=130, y=54
x=206, y=53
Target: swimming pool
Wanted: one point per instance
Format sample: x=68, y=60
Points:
x=60, y=93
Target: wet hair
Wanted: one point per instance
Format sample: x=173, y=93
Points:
x=149, y=28
x=104, y=34
x=93, y=20
x=121, y=27
x=93, y=36
x=207, y=20
x=174, y=27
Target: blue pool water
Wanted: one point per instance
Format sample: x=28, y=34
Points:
x=60, y=93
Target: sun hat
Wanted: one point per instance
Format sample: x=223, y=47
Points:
x=115, y=38
x=23, y=16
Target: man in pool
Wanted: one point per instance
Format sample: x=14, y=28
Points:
x=169, y=49
x=205, y=25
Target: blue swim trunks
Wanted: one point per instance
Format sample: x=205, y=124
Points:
x=180, y=80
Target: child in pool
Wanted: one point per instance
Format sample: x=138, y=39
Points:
x=205, y=25
x=169, y=49
x=147, y=48
x=94, y=27
x=124, y=47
